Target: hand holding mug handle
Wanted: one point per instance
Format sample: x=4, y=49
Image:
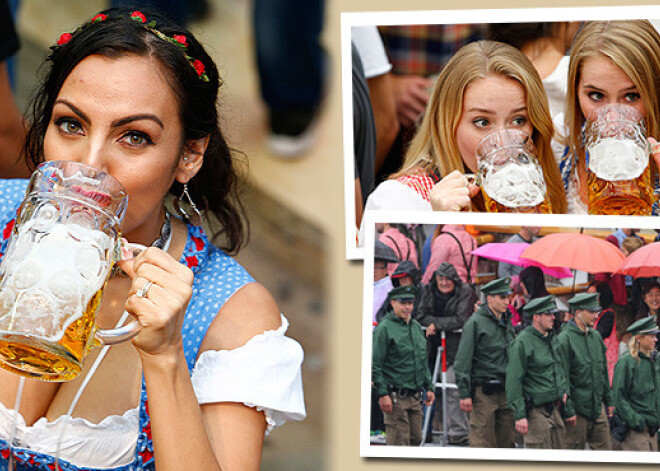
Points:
x=130, y=330
x=655, y=151
x=453, y=193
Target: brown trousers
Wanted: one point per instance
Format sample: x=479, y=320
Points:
x=594, y=432
x=636, y=441
x=491, y=421
x=403, y=427
x=545, y=430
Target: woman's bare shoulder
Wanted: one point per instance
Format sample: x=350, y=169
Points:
x=249, y=312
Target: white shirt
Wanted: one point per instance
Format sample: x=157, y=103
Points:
x=264, y=374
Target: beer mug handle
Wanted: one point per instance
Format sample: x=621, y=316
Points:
x=130, y=330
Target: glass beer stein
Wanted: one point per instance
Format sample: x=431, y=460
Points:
x=617, y=152
x=509, y=174
x=58, y=261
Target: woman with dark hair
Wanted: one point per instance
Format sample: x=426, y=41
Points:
x=532, y=284
x=650, y=301
x=135, y=95
x=605, y=323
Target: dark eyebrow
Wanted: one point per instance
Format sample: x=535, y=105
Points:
x=117, y=123
x=76, y=111
x=138, y=117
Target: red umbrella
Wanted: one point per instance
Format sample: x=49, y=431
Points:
x=643, y=262
x=577, y=251
x=509, y=252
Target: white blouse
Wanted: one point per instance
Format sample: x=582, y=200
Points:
x=265, y=373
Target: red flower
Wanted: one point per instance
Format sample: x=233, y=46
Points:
x=99, y=17
x=191, y=262
x=181, y=39
x=199, y=67
x=65, y=38
x=6, y=233
x=146, y=455
x=138, y=15
x=199, y=243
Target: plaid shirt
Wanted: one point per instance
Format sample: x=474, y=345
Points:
x=425, y=49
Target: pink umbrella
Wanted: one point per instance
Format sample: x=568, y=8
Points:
x=645, y=261
x=509, y=252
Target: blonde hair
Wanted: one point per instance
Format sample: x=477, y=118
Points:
x=631, y=244
x=634, y=47
x=434, y=145
x=633, y=346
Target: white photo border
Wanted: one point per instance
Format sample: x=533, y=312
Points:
x=483, y=219
x=348, y=20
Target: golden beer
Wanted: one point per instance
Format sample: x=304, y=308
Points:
x=33, y=357
x=493, y=206
x=625, y=198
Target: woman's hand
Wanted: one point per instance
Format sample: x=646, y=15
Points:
x=453, y=193
x=655, y=151
x=159, y=310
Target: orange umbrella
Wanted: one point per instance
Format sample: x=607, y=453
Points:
x=577, y=251
x=642, y=262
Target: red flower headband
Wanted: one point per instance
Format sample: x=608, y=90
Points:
x=178, y=39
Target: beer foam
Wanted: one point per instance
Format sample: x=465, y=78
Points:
x=56, y=277
x=515, y=184
x=617, y=159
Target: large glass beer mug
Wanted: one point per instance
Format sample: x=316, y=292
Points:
x=509, y=174
x=58, y=261
x=617, y=152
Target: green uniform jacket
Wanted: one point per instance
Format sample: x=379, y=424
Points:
x=399, y=356
x=636, y=391
x=483, y=350
x=534, y=372
x=585, y=366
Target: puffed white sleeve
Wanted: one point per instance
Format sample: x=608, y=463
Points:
x=392, y=195
x=264, y=373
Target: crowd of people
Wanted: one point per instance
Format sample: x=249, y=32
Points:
x=416, y=130
x=525, y=368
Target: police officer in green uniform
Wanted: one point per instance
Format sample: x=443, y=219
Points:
x=535, y=382
x=480, y=368
x=585, y=366
x=636, y=388
x=400, y=370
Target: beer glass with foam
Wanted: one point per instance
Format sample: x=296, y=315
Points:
x=58, y=261
x=510, y=175
x=617, y=154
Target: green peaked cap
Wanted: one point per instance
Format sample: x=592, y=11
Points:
x=540, y=305
x=499, y=286
x=403, y=292
x=645, y=325
x=587, y=301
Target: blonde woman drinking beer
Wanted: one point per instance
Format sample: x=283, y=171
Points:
x=486, y=87
x=612, y=62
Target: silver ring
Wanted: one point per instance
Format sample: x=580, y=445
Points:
x=142, y=292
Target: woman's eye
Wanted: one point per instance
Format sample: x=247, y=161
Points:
x=595, y=96
x=519, y=121
x=632, y=97
x=481, y=122
x=136, y=139
x=68, y=125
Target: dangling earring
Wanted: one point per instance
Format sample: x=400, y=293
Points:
x=188, y=200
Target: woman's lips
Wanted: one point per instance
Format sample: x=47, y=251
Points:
x=102, y=198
